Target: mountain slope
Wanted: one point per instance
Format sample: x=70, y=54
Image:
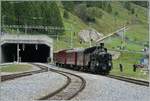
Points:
x=103, y=16
x=109, y=22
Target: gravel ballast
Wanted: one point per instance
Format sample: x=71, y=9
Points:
x=98, y=88
x=31, y=87
x=101, y=88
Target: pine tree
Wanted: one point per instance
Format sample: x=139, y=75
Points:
x=68, y=5
x=109, y=8
x=7, y=13
x=51, y=15
x=66, y=15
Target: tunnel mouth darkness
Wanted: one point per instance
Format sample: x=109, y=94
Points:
x=27, y=52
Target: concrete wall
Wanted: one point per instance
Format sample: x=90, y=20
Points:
x=0, y=55
x=51, y=53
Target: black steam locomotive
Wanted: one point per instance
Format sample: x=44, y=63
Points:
x=100, y=60
x=94, y=59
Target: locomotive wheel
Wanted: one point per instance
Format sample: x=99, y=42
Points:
x=77, y=68
x=56, y=64
x=106, y=73
x=93, y=67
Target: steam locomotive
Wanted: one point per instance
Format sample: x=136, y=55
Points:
x=95, y=59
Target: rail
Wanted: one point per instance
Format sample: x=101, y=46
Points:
x=75, y=84
x=131, y=80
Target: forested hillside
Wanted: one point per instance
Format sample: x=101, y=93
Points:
x=103, y=16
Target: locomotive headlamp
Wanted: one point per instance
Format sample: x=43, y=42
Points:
x=97, y=64
x=109, y=64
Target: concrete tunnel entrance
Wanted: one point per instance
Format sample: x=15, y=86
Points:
x=25, y=53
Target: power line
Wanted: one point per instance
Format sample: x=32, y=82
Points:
x=36, y=27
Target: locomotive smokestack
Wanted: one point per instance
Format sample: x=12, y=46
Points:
x=102, y=45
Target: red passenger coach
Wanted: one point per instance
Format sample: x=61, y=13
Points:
x=75, y=58
x=60, y=57
x=71, y=57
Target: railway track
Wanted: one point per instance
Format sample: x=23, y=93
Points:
x=74, y=85
x=126, y=79
x=18, y=75
x=135, y=81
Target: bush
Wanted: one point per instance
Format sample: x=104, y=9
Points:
x=127, y=5
x=132, y=11
x=81, y=11
x=66, y=15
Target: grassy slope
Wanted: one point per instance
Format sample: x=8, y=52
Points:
x=137, y=31
x=107, y=24
x=74, y=23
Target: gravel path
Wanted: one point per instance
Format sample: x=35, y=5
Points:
x=31, y=87
x=100, y=88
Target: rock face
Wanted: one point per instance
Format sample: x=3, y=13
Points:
x=90, y=34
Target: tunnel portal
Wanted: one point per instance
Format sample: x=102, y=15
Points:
x=25, y=52
x=26, y=48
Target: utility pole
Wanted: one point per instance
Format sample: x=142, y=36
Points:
x=123, y=37
x=56, y=41
x=71, y=44
x=2, y=23
x=3, y=19
x=26, y=27
x=0, y=29
x=90, y=31
x=90, y=37
x=17, y=31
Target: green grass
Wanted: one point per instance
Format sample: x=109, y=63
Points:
x=138, y=32
x=64, y=42
x=114, y=42
x=15, y=68
x=132, y=46
x=127, y=60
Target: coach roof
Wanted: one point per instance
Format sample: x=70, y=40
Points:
x=75, y=50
